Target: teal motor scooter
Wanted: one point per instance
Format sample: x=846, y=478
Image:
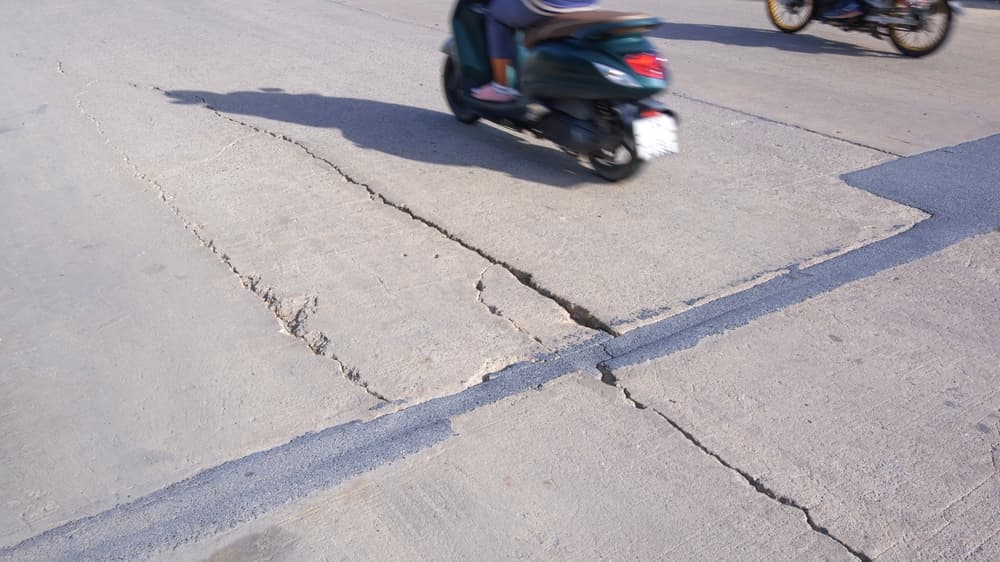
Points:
x=587, y=82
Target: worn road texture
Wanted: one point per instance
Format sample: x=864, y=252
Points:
x=264, y=299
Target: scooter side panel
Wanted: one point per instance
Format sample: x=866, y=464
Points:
x=565, y=69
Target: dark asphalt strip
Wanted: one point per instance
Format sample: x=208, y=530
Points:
x=958, y=186
x=238, y=491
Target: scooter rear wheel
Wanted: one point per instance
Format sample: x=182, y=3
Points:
x=452, y=92
x=618, y=164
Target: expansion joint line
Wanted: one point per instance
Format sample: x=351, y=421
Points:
x=689, y=97
x=576, y=312
x=293, y=321
x=608, y=377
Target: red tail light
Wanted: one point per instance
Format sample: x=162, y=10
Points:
x=647, y=64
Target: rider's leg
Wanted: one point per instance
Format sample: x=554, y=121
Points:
x=502, y=21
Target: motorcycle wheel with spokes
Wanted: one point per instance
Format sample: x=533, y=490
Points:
x=933, y=28
x=791, y=16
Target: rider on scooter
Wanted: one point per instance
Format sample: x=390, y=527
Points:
x=504, y=18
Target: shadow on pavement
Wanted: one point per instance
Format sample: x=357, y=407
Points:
x=750, y=37
x=412, y=133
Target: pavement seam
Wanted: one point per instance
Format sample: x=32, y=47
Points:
x=601, y=356
x=608, y=378
x=576, y=312
x=689, y=97
x=292, y=318
x=238, y=491
x=713, y=320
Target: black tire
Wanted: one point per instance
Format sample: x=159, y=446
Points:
x=790, y=18
x=608, y=165
x=940, y=20
x=452, y=86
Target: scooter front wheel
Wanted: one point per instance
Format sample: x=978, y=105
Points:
x=619, y=163
x=453, y=93
x=791, y=16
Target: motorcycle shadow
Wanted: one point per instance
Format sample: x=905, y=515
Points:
x=413, y=133
x=750, y=37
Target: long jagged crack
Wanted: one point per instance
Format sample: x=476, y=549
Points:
x=576, y=312
x=608, y=377
x=495, y=311
x=293, y=316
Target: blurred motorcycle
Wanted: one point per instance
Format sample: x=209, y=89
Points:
x=916, y=27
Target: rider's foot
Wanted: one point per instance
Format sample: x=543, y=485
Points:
x=495, y=93
x=844, y=11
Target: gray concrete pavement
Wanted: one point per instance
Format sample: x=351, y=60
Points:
x=494, y=493
x=131, y=357
x=228, y=225
x=846, y=85
x=875, y=406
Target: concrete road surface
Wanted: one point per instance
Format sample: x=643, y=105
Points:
x=265, y=299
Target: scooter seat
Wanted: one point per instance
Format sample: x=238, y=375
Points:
x=572, y=23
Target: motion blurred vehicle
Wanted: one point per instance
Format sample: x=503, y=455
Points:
x=587, y=82
x=916, y=27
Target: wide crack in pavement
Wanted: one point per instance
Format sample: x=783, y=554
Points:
x=418, y=427
x=291, y=315
x=576, y=312
x=608, y=378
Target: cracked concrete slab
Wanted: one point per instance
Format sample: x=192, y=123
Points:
x=746, y=198
x=323, y=95
x=696, y=227
x=397, y=304
x=875, y=407
x=594, y=479
x=130, y=357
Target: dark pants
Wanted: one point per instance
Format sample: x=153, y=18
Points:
x=505, y=17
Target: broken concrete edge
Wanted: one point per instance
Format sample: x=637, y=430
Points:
x=293, y=312
x=241, y=490
x=923, y=240
x=942, y=183
x=686, y=330
x=480, y=288
x=576, y=312
x=966, y=210
x=292, y=317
